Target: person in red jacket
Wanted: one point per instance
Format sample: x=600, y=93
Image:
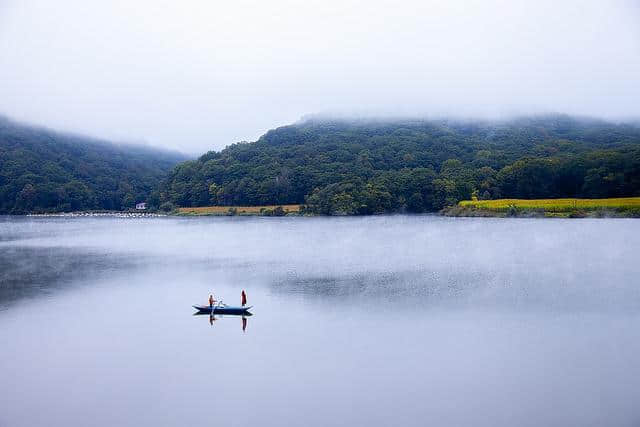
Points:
x=244, y=298
x=211, y=301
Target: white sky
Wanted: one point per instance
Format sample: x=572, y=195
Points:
x=195, y=76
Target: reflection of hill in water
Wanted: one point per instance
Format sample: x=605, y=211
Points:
x=511, y=289
x=390, y=286
x=30, y=271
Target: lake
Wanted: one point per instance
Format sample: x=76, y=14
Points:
x=386, y=320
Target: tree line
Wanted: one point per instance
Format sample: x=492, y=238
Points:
x=333, y=167
x=342, y=167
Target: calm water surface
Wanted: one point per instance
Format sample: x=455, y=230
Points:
x=399, y=320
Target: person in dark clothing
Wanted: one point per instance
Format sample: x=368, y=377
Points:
x=211, y=301
x=244, y=298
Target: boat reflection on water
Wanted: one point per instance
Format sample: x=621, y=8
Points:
x=213, y=318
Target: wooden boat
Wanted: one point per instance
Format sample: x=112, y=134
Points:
x=222, y=309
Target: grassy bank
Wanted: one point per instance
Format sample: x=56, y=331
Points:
x=273, y=210
x=568, y=208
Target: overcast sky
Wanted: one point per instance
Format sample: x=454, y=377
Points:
x=195, y=76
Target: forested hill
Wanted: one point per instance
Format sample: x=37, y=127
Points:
x=46, y=171
x=364, y=167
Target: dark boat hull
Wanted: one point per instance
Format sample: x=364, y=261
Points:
x=205, y=309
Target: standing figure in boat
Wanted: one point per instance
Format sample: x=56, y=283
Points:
x=211, y=301
x=244, y=298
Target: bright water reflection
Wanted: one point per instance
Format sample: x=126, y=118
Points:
x=362, y=321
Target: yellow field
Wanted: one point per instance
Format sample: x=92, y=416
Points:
x=240, y=210
x=555, y=205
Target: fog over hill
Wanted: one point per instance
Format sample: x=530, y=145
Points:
x=42, y=170
x=195, y=75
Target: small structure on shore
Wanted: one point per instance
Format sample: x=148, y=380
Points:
x=141, y=206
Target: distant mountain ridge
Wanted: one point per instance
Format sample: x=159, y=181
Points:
x=42, y=170
x=342, y=166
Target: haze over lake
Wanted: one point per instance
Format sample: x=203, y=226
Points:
x=385, y=320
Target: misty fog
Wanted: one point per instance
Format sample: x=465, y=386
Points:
x=196, y=75
x=545, y=263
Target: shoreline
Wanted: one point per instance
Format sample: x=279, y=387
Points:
x=451, y=212
x=97, y=214
x=472, y=212
x=498, y=208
